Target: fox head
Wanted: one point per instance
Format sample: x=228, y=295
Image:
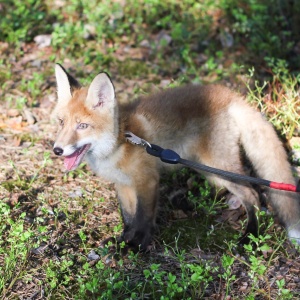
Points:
x=87, y=118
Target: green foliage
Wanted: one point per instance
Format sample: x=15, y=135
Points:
x=227, y=263
x=204, y=198
x=101, y=282
x=194, y=280
x=22, y=20
x=268, y=27
x=15, y=243
x=283, y=293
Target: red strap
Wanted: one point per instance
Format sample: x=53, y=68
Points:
x=283, y=186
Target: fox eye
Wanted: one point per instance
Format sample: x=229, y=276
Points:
x=61, y=122
x=82, y=126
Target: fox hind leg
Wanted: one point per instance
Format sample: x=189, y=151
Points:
x=228, y=158
x=250, y=200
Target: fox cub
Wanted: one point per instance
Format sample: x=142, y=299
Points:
x=208, y=124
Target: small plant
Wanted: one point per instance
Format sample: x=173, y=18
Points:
x=193, y=279
x=283, y=293
x=154, y=278
x=203, y=197
x=201, y=276
x=227, y=262
x=58, y=272
x=102, y=282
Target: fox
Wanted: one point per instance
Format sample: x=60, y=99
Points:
x=210, y=124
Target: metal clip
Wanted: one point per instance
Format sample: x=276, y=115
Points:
x=135, y=140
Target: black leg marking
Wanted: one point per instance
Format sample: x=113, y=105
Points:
x=252, y=227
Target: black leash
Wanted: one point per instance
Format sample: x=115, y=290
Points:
x=171, y=157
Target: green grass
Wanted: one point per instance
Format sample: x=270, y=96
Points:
x=278, y=99
x=174, y=274
x=50, y=221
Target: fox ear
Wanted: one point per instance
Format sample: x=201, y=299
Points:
x=101, y=92
x=66, y=84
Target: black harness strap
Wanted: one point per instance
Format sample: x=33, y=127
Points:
x=171, y=157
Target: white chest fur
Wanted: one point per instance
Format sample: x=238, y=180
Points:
x=107, y=168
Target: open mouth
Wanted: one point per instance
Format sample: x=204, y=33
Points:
x=72, y=161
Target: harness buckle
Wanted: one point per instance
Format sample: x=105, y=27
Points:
x=135, y=140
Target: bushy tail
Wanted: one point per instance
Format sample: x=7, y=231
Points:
x=270, y=162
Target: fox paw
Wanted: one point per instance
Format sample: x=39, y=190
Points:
x=129, y=240
x=294, y=235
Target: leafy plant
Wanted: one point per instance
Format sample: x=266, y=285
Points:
x=227, y=262
x=203, y=197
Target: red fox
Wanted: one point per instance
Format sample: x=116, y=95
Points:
x=208, y=124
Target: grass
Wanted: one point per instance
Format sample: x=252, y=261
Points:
x=52, y=223
x=278, y=99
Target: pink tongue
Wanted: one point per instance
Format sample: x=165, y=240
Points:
x=70, y=160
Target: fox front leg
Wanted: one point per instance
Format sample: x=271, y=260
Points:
x=138, y=208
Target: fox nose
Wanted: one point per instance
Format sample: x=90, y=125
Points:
x=58, y=151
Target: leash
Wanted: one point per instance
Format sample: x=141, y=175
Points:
x=171, y=157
